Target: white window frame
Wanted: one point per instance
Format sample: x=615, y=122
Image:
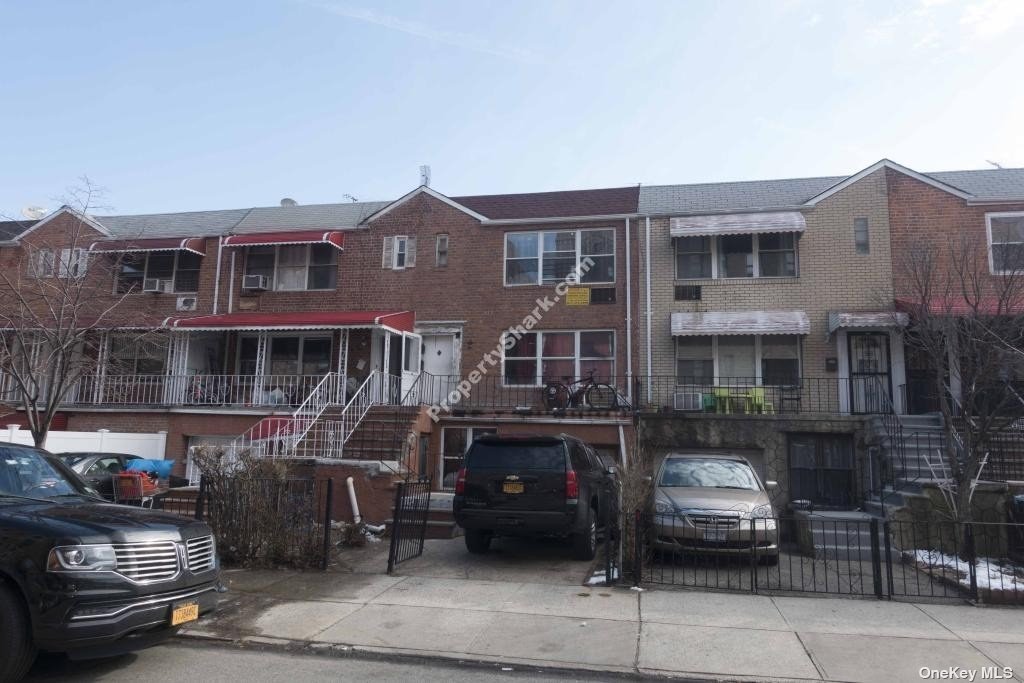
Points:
x=302, y=336
x=715, y=250
x=145, y=275
x=988, y=238
x=539, y=356
x=64, y=264
x=867, y=235
x=277, y=262
x=758, y=358
x=443, y=237
x=400, y=252
x=539, y=236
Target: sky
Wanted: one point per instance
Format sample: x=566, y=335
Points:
x=181, y=105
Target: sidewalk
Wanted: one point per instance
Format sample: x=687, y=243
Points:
x=654, y=632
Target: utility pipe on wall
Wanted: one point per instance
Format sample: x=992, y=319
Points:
x=231, y=283
x=647, y=274
x=216, y=278
x=350, y=484
x=629, y=319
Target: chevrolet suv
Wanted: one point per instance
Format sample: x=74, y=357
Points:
x=82, y=576
x=533, y=486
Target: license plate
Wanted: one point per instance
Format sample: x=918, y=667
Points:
x=512, y=487
x=184, y=612
x=717, y=535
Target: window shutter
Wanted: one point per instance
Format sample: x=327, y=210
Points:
x=389, y=249
x=81, y=263
x=410, y=252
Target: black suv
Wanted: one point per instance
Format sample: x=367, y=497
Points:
x=82, y=576
x=533, y=486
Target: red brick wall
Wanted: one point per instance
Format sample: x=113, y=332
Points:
x=922, y=215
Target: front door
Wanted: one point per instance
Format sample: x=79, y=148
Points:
x=439, y=365
x=410, y=359
x=870, y=369
x=455, y=441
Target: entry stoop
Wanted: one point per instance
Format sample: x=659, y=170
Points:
x=440, y=517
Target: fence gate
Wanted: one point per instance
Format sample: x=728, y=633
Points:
x=409, y=528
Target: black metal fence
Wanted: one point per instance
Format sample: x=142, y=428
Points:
x=409, y=526
x=268, y=521
x=808, y=553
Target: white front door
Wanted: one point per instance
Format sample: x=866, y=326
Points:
x=410, y=359
x=439, y=364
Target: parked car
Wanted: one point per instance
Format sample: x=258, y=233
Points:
x=532, y=486
x=708, y=503
x=98, y=469
x=86, y=577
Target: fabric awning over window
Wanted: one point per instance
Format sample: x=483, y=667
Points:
x=737, y=224
x=335, y=238
x=740, y=322
x=401, y=321
x=196, y=245
x=838, y=320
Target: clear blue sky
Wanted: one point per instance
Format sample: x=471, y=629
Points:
x=181, y=105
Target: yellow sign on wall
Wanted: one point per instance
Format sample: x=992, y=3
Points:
x=578, y=296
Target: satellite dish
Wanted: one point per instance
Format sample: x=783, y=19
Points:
x=33, y=213
x=288, y=201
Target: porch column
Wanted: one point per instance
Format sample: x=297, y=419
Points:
x=343, y=366
x=102, y=358
x=262, y=342
x=177, y=367
x=385, y=389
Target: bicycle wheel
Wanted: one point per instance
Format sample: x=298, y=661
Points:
x=601, y=397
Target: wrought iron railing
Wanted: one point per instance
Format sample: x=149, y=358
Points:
x=194, y=390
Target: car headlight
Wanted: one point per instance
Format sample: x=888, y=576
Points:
x=81, y=558
x=663, y=508
x=762, y=512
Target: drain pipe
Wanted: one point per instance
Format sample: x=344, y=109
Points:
x=647, y=274
x=216, y=278
x=356, y=517
x=231, y=283
x=629, y=319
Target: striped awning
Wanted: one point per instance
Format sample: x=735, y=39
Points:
x=196, y=245
x=335, y=238
x=737, y=224
x=845, y=319
x=740, y=322
x=402, y=321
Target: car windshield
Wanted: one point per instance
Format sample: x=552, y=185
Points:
x=708, y=473
x=72, y=459
x=27, y=473
x=516, y=456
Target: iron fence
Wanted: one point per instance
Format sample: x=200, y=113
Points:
x=409, y=521
x=850, y=555
x=194, y=390
x=268, y=521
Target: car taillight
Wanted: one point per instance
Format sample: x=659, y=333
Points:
x=572, y=485
x=460, y=481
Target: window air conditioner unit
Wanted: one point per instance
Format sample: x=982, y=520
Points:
x=186, y=303
x=155, y=285
x=256, y=282
x=688, y=400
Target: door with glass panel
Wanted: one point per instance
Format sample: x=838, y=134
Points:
x=295, y=364
x=870, y=371
x=455, y=441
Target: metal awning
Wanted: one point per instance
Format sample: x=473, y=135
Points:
x=196, y=245
x=740, y=322
x=737, y=224
x=845, y=319
x=335, y=238
x=399, y=321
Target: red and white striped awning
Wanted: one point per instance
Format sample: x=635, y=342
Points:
x=336, y=238
x=737, y=224
x=400, y=321
x=196, y=245
x=740, y=322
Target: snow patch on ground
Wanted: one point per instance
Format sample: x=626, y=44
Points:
x=991, y=575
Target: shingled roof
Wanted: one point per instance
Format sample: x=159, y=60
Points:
x=10, y=230
x=609, y=201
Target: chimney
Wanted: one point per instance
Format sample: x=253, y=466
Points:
x=425, y=175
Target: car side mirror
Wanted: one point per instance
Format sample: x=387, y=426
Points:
x=611, y=470
x=771, y=484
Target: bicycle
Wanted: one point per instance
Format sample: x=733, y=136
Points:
x=584, y=393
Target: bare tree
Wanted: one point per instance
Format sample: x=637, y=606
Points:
x=968, y=324
x=55, y=306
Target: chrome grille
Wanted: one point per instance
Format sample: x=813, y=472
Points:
x=200, y=554
x=719, y=521
x=147, y=561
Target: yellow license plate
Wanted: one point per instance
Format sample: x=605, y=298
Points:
x=184, y=613
x=512, y=487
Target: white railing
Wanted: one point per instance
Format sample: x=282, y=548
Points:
x=195, y=390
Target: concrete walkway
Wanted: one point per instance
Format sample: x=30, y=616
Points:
x=654, y=632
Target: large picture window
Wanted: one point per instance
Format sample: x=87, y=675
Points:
x=179, y=268
x=539, y=357
x=287, y=355
x=1006, y=242
x=295, y=267
x=736, y=256
x=771, y=359
x=549, y=257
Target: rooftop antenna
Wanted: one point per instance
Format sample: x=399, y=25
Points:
x=33, y=213
x=288, y=201
x=425, y=175
x=994, y=163
x=350, y=198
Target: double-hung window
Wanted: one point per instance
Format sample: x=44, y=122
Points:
x=738, y=359
x=769, y=254
x=294, y=267
x=66, y=264
x=399, y=252
x=553, y=256
x=1006, y=242
x=180, y=268
x=132, y=356
x=539, y=357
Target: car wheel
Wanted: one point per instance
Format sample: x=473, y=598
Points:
x=478, y=541
x=584, y=545
x=15, y=637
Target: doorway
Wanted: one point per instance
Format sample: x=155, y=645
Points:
x=455, y=441
x=439, y=364
x=870, y=371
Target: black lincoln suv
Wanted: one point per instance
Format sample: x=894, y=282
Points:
x=533, y=486
x=82, y=576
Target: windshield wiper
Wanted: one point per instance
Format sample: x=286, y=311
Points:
x=4, y=494
x=741, y=488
